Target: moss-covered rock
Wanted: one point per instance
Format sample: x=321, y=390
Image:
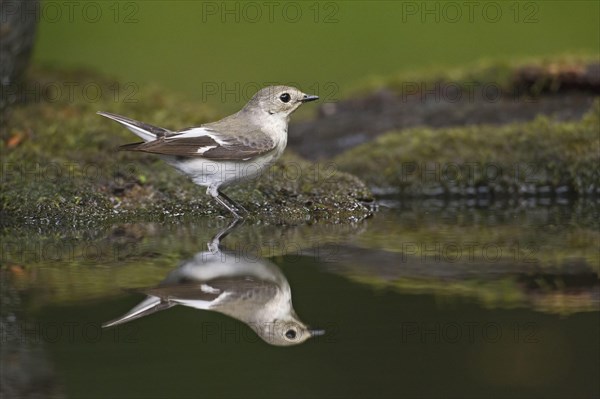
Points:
x=60, y=165
x=542, y=157
x=489, y=92
x=531, y=76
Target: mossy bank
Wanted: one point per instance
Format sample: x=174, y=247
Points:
x=538, y=158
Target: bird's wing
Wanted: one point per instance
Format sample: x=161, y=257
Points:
x=218, y=289
x=143, y=130
x=245, y=289
x=203, y=142
x=187, y=290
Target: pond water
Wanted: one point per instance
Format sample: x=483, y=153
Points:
x=425, y=299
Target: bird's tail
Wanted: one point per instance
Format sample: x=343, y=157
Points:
x=130, y=147
x=143, y=130
x=148, y=306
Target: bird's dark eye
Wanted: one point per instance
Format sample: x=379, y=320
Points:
x=285, y=97
x=290, y=334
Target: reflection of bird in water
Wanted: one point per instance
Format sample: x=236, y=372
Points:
x=253, y=291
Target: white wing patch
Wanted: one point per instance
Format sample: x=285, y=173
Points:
x=202, y=150
x=198, y=132
x=194, y=303
x=201, y=304
x=193, y=132
x=208, y=289
x=215, y=136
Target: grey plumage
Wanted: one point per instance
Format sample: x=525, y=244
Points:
x=254, y=292
x=217, y=154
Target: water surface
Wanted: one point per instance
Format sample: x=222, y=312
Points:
x=425, y=299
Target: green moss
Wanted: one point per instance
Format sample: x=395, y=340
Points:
x=548, y=72
x=505, y=293
x=495, y=241
x=535, y=157
x=60, y=165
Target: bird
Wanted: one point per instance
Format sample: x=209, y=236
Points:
x=253, y=291
x=234, y=149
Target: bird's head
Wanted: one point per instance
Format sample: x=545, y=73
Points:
x=278, y=100
x=286, y=332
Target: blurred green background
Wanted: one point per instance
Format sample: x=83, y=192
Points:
x=198, y=46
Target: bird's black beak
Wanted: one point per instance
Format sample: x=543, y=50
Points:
x=307, y=98
x=316, y=333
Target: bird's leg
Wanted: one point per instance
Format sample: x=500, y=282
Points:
x=214, y=245
x=214, y=192
x=228, y=206
x=234, y=203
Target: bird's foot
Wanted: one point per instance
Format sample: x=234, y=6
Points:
x=234, y=204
